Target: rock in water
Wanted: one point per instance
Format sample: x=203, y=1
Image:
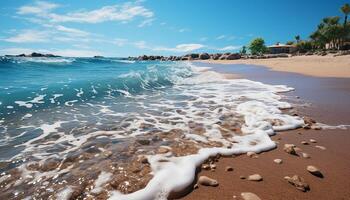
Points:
x=249, y=196
x=289, y=148
x=255, y=177
x=278, y=161
x=298, y=182
x=314, y=171
x=206, y=181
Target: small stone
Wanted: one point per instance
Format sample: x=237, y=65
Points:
x=249, y=196
x=107, y=153
x=242, y=177
x=314, y=171
x=297, y=149
x=143, y=141
x=195, y=186
x=255, y=177
x=315, y=127
x=205, y=166
x=320, y=147
x=144, y=160
x=252, y=154
x=278, y=161
x=298, y=182
x=289, y=148
x=212, y=166
x=304, y=143
x=229, y=169
x=206, y=181
x=313, y=141
x=163, y=150
x=305, y=155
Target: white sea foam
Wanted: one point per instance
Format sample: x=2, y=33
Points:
x=209, y=96
x=29, y=104
x=260, y=111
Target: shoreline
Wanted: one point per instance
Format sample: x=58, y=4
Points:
x=317, y=66
x=333, y=161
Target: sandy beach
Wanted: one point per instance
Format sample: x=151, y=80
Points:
x=333, y=161
x=318, y=66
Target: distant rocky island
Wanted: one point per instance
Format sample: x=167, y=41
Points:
x=34, y=54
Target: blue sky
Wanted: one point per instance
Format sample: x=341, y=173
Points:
x=162, y=27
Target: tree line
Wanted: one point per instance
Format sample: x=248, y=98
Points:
x=332, y=33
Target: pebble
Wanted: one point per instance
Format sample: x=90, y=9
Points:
x=298, y=182
x=212, y=166
x=320, y=147
x=242, y=177
x=255, y=177
x=249, y=196
x=163, y=150
x=313, y=141
x=205, y=166
x=195, y=186
x=229, y=169
x=143, y=141
x=278, y=161
x=206, y=181
x=304, y=143
x=289, y=148
x=314, y=171
x=107, y=153
x=252, y=154
x=305, y=155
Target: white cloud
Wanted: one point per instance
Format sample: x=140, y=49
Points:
x=122, y=13
x=146, y=22
x=71, y=31
x=220, y=37
x=38, y=8
x=141, y=45
x=229, y=48
x=119, y=41
x=61, y=52
x=29, y=36
x=180, y=48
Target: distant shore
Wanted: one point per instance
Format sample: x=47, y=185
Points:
x=314, y=65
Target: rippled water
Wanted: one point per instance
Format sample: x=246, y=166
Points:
x=82, y=127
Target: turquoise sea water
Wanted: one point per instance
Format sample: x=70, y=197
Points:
x=76, y=128
x=39, y=91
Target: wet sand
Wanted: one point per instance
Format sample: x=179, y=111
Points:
x=326, y=100
x=318, y=66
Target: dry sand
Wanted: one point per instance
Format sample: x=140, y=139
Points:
x=319, y=66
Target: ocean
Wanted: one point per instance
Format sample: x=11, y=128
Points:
x=119, y=129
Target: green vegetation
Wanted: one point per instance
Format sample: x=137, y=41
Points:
x=257, y=46
x=243, y=50
x=330, y=34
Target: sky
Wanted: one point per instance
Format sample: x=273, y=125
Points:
x=119, y=28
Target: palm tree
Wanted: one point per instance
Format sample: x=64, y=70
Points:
x=297, y=38
x=346, y=10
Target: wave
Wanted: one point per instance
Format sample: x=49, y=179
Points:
x=88, y=86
